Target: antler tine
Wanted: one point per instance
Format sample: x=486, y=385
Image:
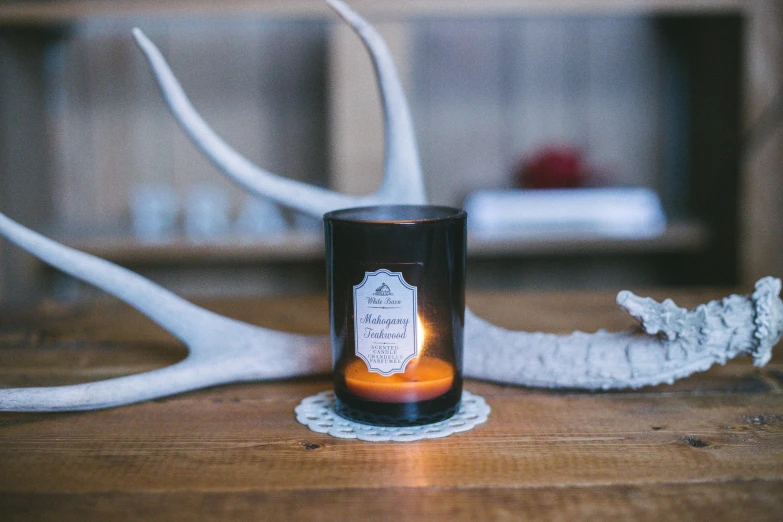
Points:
x=181, y=318
x=402, y=180
x=295, y=194
x=173, y=379
x=279, y=358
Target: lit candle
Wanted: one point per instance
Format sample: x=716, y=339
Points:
x=424, y=378
x=392, y=270
x=431, y=378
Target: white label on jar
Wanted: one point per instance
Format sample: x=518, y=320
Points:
x=385, y=310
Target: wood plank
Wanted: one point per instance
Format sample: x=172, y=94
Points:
x=623, y=101
x=25, y=191
x=114, y=134
x=245, y=437
x=308, y=246
x=752, y=500
x=716, y=61
x=458, y=106
x=108, y=320
x=356, y=135
x=711, y=445
x=761, y=194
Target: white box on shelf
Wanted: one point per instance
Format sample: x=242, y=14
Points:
x=611, y=212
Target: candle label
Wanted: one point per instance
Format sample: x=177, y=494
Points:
x=385, y=308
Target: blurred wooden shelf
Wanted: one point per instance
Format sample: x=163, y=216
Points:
x=678, y=237
x=712, y=33
x=309, y=246
x=63, y=12
x=295, y=246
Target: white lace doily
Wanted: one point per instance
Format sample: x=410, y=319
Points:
x=317, y=413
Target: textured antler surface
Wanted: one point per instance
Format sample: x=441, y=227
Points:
x=676, y=342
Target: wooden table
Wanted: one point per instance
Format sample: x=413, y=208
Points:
x=707, y=448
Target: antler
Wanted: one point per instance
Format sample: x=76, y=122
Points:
x=221, y=350
x=677, y=343
x=402, y=179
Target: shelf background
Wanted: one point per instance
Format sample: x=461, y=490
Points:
x=291, y=88
x=69, y=11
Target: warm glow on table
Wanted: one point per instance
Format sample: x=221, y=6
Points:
x=425, y=378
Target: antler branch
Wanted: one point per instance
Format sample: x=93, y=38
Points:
x=402, y=180
x=677, y=343
x=221, y=350
x=402, y=173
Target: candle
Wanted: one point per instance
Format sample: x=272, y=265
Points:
x=391, y=271
x=427, y=379
x=424, y=378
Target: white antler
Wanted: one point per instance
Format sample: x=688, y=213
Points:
x=221, y=350
x=402, y=179
x=677, y=343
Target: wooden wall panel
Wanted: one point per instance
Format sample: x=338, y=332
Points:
x=261, y=85
x=25, y=191
x=356, y=138
x=762, y=188
x=457, y=99
x=489, y=93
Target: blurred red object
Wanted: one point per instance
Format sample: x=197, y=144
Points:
x=553, y=167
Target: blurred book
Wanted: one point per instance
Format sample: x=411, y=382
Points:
x=610, y=212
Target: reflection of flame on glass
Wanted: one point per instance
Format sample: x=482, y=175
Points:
x=424, y=378
x=420, y=333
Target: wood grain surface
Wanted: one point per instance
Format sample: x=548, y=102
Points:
x=707, y=447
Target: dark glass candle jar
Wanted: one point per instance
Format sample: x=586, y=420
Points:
x=396, y=278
